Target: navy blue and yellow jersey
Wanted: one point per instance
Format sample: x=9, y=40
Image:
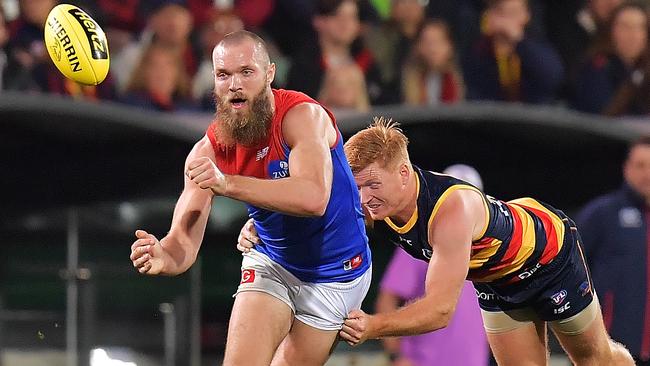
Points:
x=519, y=235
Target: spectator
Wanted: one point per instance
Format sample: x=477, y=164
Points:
x=615, y=228
x=463, y=341
x=337, y=30
x=122, y=21
x=622, y=56
x=169, y=25
x=572, y=25
x=431, y=75
x=392, y=42
x=506, y=64
x=219, y=23
x=344, y=88
x=159, y=81
x=28, y=59
x=254, y=13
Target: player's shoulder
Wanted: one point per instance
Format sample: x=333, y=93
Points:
x=201, y=148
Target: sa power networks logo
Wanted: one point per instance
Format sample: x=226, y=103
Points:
x=353, y=263
x=247, y=276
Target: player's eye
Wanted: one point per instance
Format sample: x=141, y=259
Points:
x=222, y=75
x=247, y=72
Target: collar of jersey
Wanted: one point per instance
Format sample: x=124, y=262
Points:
x=414, y=217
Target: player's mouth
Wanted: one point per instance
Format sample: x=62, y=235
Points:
x=238, y=103
x=373, y=206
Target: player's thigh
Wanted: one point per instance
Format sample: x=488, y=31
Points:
x=262, y=313
x=516, y=337
x=259, y=322
x=583, y=336
x=305, y=346
x=320, y=311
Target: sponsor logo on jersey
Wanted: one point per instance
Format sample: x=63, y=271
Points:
x=278, y=169
x=261, y=153
x=484, y=295
x=584, y=288
x=529, y=271
x=353, y=263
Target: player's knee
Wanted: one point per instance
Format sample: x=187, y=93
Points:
x=620, y=354
x=614, y=354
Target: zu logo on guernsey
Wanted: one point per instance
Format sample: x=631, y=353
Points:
x=247, y=276
x=278, y=169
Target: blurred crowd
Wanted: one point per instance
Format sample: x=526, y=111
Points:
x=589, y=55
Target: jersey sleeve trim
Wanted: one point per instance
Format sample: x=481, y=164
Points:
x=449, y=191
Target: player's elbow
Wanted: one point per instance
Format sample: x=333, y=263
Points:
x=440, y=319
x=315, y=208
x=316, y=203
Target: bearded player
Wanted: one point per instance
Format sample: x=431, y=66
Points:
x=281, y=153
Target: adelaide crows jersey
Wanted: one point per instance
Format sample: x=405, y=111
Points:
x=331, y=248
x=519, y=236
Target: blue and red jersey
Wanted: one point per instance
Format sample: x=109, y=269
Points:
x=330, y=248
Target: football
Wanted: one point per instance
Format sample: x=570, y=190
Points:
x=77, y=45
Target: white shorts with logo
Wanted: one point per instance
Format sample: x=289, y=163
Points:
x=320, y=305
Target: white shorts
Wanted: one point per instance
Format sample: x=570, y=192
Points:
x=323, y=306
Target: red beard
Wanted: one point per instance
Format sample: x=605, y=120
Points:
x=248, y=129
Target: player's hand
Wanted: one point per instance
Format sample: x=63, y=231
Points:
x=205, y=173
x=247, y=237
x=147, y=253
x=357, y=328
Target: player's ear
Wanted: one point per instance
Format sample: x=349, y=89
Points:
x=270, y=73
x=404, y=173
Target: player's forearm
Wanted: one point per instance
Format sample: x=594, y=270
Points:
x=178, y=257
x=292, y=196
x=420, y=317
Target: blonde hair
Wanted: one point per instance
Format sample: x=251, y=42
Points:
x=382, y=142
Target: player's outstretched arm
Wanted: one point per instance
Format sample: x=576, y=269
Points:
x=459, y=219
x=309, y=132
x=177, y=251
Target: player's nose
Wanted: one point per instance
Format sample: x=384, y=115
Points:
x=235, y=83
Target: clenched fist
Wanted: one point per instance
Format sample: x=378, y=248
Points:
x=247, y=237
x=205, y=173
x=147, y=253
